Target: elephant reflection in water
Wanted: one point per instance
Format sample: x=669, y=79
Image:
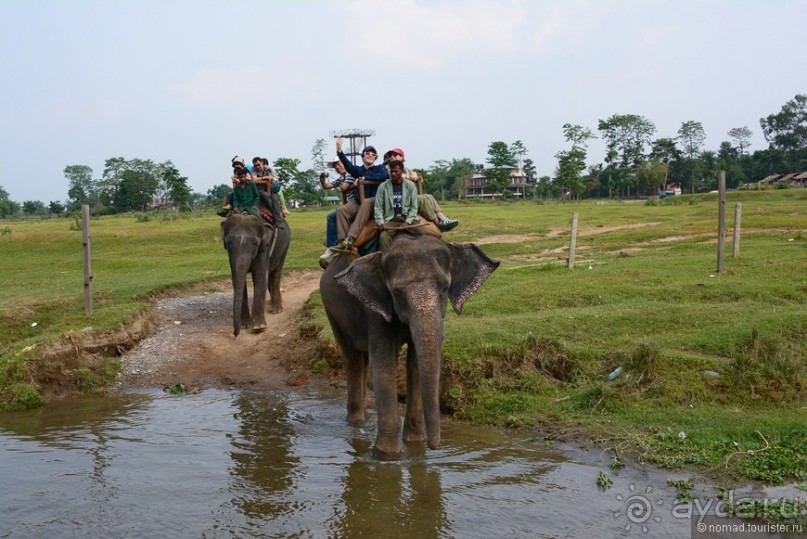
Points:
x=263, y=456
x=385, y=299
x=381, y=500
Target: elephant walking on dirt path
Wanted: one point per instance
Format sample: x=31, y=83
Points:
x=256, y=248
x=385, y=299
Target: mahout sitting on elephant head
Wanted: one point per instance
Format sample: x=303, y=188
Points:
x=381, y=301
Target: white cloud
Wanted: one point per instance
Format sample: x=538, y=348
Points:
x=221, y=87
x=104, y=109
x=424, y=36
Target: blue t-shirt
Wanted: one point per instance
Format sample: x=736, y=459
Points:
x=397, y=200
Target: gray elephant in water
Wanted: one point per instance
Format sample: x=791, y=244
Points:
x=254, y=247
x=383, y=300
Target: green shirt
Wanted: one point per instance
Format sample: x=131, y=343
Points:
x=246, y=197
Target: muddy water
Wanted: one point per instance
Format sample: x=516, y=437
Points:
x=285, y=464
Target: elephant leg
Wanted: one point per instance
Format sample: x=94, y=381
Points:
x=383, y=359
x=259, y=296
x=356, y=373
x=258, y=316
x=414, y=427
x=246, y=317
x=275, y=299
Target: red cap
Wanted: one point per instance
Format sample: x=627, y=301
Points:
x=398, y=151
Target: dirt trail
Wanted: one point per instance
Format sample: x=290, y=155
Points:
x=193, y=343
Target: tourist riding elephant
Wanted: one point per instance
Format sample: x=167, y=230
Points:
x=254, y=247
x=385, y=299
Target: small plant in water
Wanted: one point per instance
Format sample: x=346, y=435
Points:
x=683, y=486
x=616, y=463
x=176, y=389
x=603, y=481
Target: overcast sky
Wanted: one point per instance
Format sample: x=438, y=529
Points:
x=199, y=81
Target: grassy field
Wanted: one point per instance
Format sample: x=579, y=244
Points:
x=713, y=369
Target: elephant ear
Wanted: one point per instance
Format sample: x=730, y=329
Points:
x=470, y=267
x=364, y=280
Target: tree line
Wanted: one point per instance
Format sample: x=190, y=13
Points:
x=139, y=185
x=635, y=163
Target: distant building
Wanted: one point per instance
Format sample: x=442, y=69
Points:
x=795, y=179
x=476, y=183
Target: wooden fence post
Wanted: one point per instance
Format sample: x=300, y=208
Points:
x=738, y=215
x=573, y=240
x=85, y=227
x=721, y=220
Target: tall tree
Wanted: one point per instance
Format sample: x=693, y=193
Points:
x=502, y=162
x=175, y=186
x=318, y=158
x=691, y=135
x=216, y=194
x=301, y=186
x=135, y=190
x=530, y=172
x=709, y=169
x=286, y=169
x=652, y=175
x=519, y=151
x=8, y=208
x=665, y=150
x=55, y=207
x=787, y=130
x=34, y=207
x=741, y=137
x=110, y=179
x=728, y=159
x=81, y=188
x=568, y=175
x=626, y=136
x=572, y=162
x=447, y=178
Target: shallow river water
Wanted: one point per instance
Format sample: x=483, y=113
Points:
x=285, y=464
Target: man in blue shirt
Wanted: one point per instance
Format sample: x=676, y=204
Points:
x=351, y=218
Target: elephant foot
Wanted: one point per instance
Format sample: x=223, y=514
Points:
x=381, y=454
x=414, y=436
x=356, y=418
x=258, y=328
x=275, y=310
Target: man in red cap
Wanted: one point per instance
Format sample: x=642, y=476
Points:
x=429, y=209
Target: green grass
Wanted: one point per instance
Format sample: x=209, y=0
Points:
x=534, y=346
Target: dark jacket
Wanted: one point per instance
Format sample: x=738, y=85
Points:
x=375, y=173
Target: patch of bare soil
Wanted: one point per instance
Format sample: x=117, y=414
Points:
x=193, y=344
x=504, y=238
x=594, y=230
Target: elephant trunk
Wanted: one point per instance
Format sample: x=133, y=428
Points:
x=426, y=329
